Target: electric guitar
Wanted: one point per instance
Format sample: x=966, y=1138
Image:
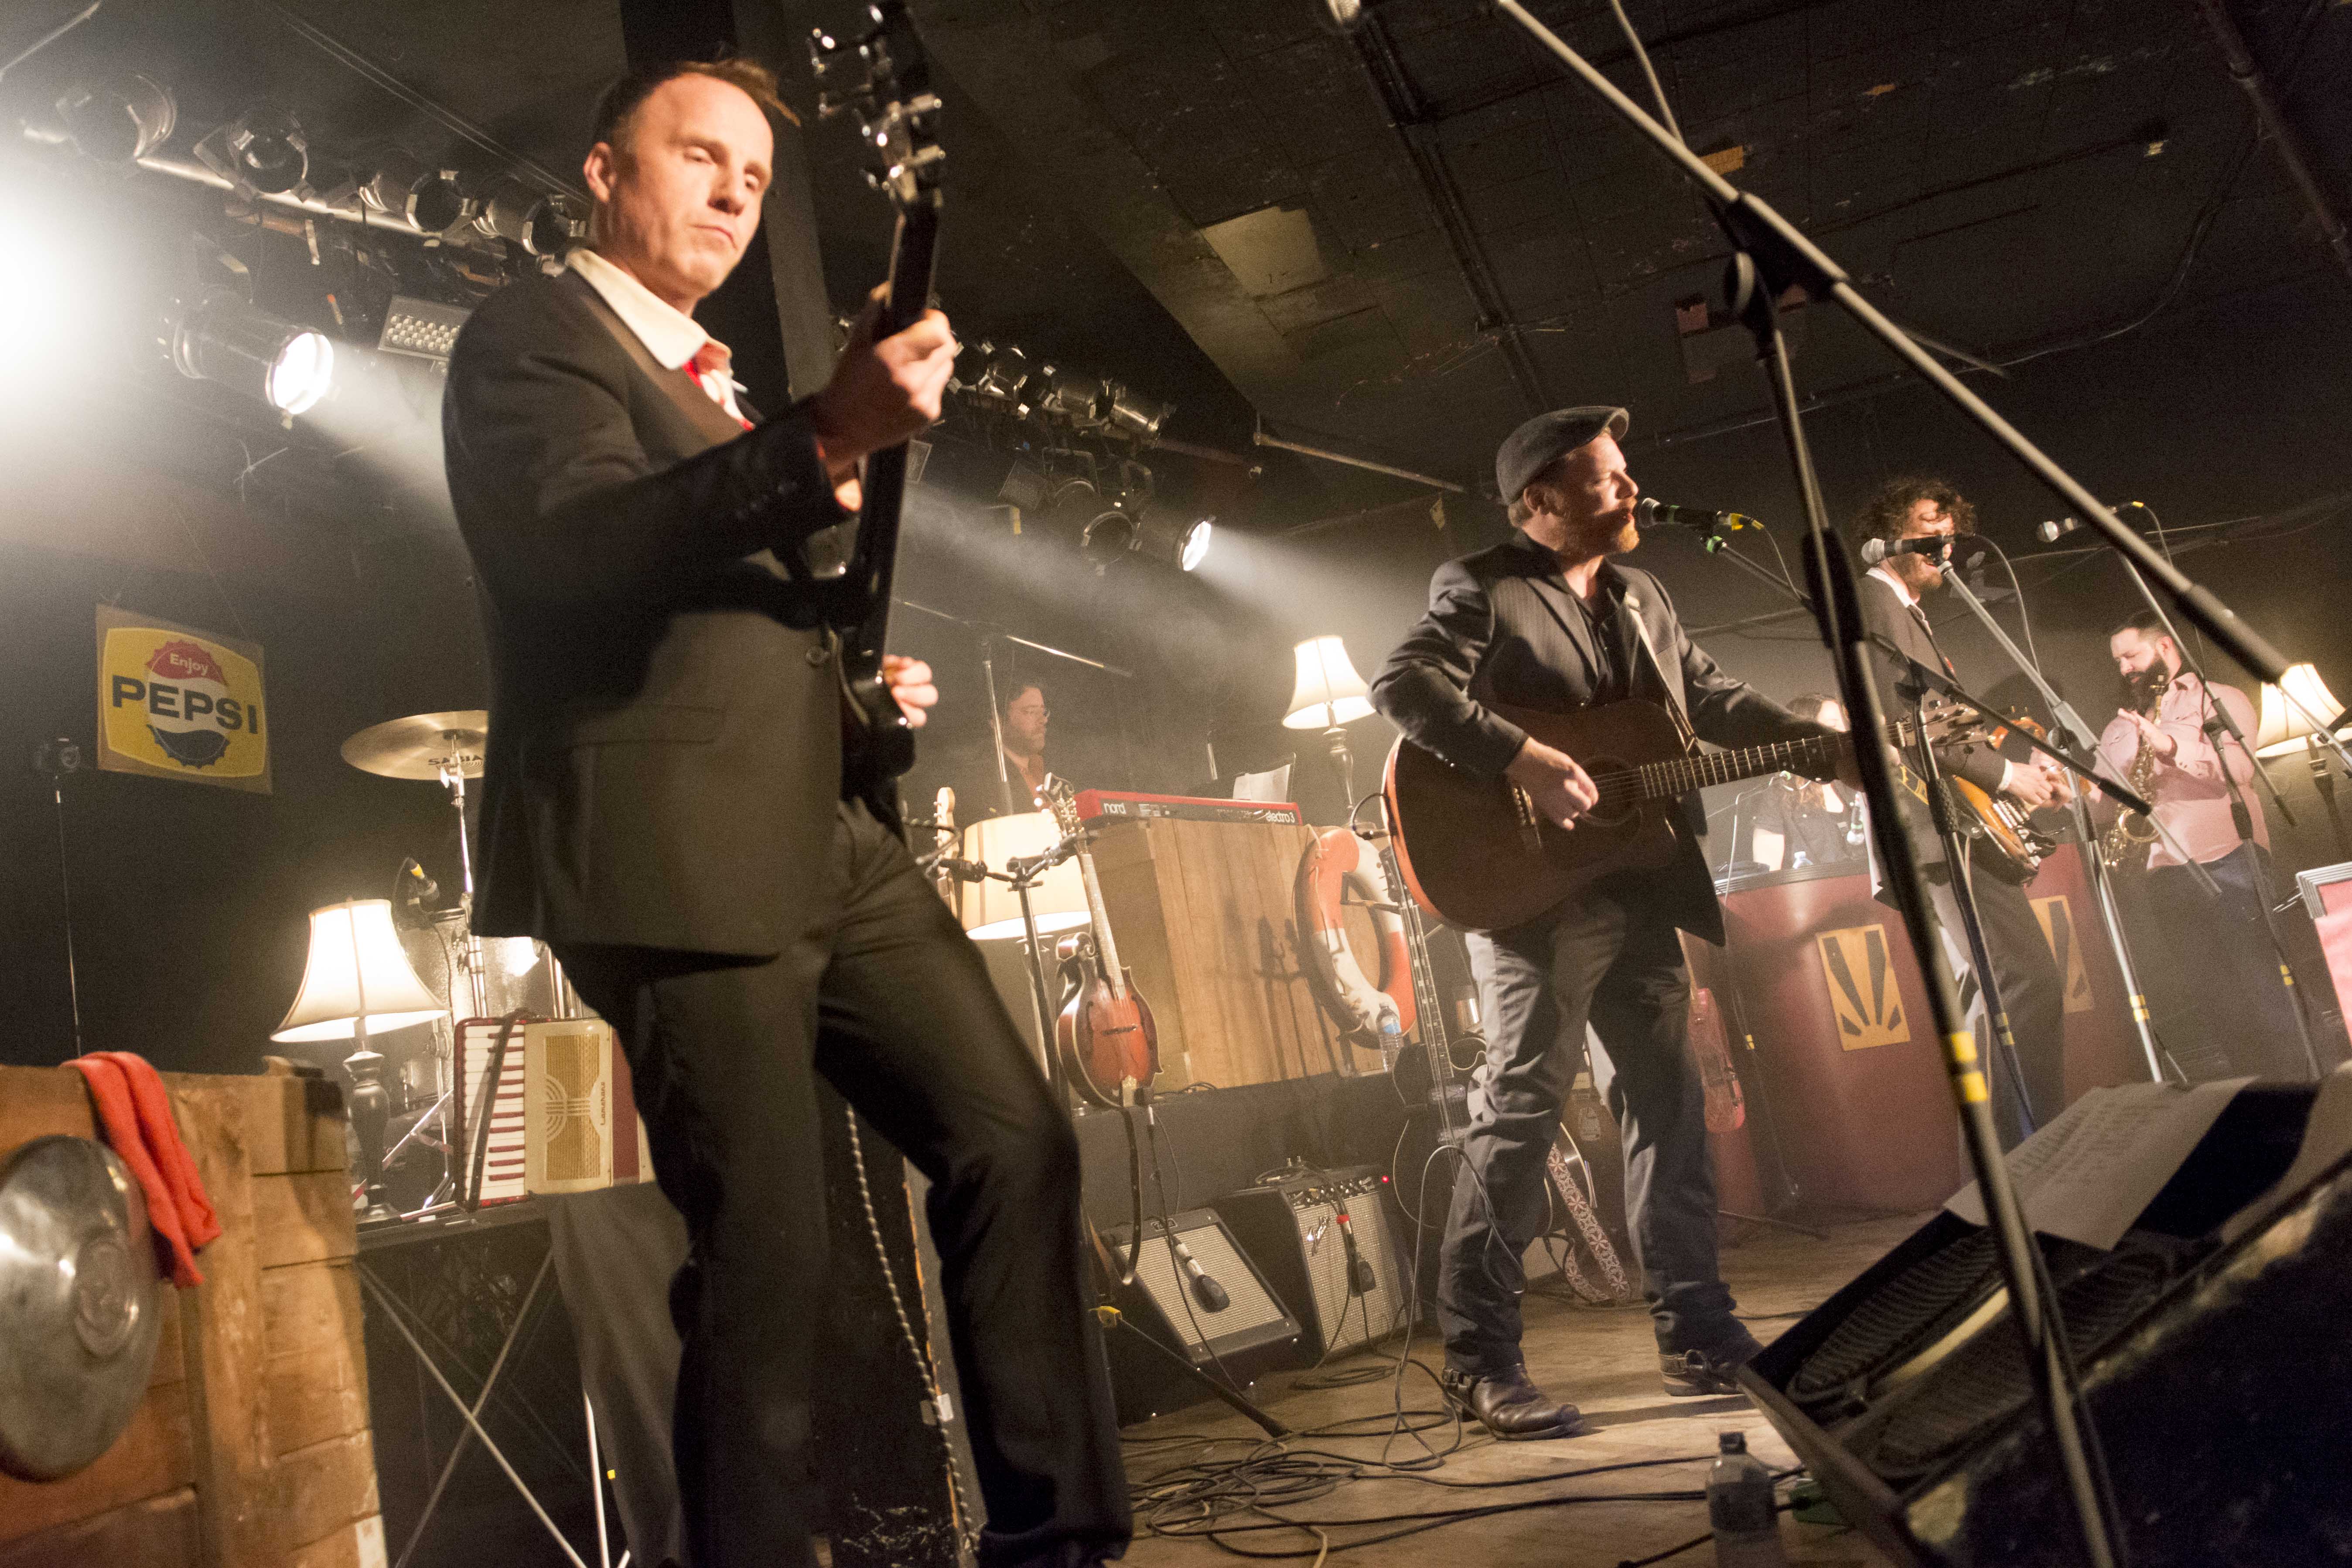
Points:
x=896, y=113
x=1476, y=854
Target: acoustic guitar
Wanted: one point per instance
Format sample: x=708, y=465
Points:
x=1477, y=855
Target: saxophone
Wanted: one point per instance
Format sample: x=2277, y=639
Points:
x=2131, y=830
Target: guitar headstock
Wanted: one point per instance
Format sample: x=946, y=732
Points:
x=1062, y=802
x=882, y=77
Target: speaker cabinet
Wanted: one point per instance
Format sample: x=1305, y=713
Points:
x=1322, y=1240
x=1250, y=1334
x=2214, y=1366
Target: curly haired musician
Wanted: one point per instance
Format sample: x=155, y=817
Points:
x=1549, y=621
x=2024, y=974
x=665, y=805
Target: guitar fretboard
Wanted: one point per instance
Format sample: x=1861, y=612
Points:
x=1680, y=775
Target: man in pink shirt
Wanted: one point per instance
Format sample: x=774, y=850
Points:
x=2247, y=1014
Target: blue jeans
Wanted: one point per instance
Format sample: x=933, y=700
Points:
x=1609, y=961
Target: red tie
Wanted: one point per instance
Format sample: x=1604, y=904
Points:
x=709, y=368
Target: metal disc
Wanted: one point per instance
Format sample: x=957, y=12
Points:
x=420, y=746
x=79, y=1305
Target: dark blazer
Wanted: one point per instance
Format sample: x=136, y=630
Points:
x=1503, y=627
x=1883, y=612
x=664, y=751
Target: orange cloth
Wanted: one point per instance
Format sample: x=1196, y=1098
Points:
x=137, y=1115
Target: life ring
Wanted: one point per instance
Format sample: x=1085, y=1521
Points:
x=1337, y=862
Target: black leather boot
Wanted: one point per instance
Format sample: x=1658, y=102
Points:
x=1510, y=1405
x=1691, y=1374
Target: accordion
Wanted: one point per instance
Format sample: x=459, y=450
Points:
x=561, y=1116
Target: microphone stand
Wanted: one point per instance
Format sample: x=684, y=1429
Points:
x=1769, y=255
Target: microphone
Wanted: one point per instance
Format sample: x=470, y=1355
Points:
x=1205, y=1288
x=2054, y=530
x=1360, y=1277
x=1651, y=512
x=1874, y=550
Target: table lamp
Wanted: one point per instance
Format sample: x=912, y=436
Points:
x=2295, y=718
x=991, y=911
x=357, y=976
x=1328, y=693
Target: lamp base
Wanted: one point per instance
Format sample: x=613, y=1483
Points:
x=370, y=1109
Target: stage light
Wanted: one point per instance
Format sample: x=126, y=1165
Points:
x=1182, y=545
x=543, y=225
x=1138, y=417
x=1110, y=536
x=117, y=119
x=264, y=147
x=404, y=188
x=224, y=339
x=1067, y=394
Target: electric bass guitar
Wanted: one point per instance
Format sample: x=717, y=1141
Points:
x=896, y=113
x=1476, y=854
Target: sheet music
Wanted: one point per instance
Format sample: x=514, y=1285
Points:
x=2087, y=1175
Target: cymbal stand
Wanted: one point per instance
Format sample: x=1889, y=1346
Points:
x=1770, y=257
x=453, y=779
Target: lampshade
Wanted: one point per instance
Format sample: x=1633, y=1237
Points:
x=2284, y=723
x=991, y=911
x=1329, y=692
x=356, y=967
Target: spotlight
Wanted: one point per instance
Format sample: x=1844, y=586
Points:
x=1109, y=536
x=265, y=149
x=1138, y=417
x=117, y=119
x=1182, y=545
x=404, y=188
x=224, y=339
x=1002, y=374
x=543, y=225
x=1069, y=394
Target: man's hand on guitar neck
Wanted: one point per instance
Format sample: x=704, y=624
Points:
x=1561, y=789
x=910, y=680
x=882, y=392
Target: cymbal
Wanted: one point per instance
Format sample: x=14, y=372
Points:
x=419, y=746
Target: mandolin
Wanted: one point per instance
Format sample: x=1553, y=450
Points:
x=1104, y=1038
x=896, y=113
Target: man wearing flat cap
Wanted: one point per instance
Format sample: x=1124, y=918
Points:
x=1552, y=621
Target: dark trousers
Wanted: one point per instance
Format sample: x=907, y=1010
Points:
x=2026, y=977
x=1621, y=967
x=2247, y=1015
x=615, y=1252
x=879, y=991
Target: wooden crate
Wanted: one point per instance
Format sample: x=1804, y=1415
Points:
x=1203, y=915
x=252, y=1448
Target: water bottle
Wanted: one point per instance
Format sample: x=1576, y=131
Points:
x=1392, y=1038
x=1739, y=1507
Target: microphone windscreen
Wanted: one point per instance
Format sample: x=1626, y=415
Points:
x=1210, y=1294
x=1874, y=551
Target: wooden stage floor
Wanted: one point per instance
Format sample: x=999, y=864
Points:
x=1606, y=1362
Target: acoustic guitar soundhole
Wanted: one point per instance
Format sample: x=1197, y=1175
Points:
x=1616, y=780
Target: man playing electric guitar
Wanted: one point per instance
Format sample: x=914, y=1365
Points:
x=1549, y=621
x=2024, y=974
x=667, y=804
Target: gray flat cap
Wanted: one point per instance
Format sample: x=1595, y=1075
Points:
x=1544, y=439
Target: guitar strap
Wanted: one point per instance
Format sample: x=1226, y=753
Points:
x=1632, y=602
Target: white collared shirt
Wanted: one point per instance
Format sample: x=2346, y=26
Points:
x=669, y=334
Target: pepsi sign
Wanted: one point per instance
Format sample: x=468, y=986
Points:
x=180, y=703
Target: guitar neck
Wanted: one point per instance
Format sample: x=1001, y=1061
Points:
x=1105, y=946
x=1680, y=775
x=913, y=252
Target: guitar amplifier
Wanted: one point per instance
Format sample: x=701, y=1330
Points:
x=564, y=1118
x=1253, y=1333
x=1322, y=1240
x=1099, y=805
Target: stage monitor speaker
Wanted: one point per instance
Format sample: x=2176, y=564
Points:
x=1197, y=1296
x=1321, y=1238
x=2214, y=1365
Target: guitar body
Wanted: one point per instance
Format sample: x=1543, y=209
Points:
x=1106, y=1040
x=1474, y=855
x=2011, y=847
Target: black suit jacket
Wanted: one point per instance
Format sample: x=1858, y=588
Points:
x=1503, y=627
x=1885, y=613
x=664, y=751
